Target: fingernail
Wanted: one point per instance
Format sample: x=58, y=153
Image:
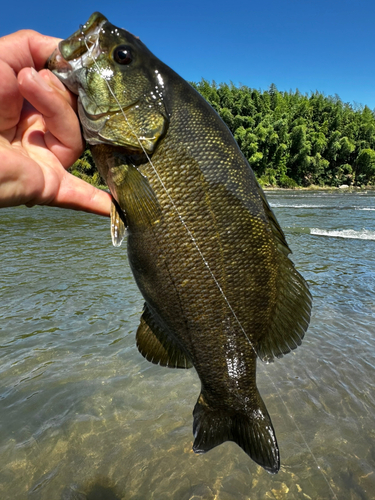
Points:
x=40, y=81
x=53, y=80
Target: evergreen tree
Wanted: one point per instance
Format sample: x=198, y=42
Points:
x=289, y=138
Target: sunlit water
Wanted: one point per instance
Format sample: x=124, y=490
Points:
x=84, y=416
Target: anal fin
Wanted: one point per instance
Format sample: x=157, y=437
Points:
x=157, y=346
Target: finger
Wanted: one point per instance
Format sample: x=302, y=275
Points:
x=77, y=194
x=63, y=138
x=37, y=178
x=10, y=99
x=27, y=48
x=53, y=81
x=18, y=50
x=21, y=179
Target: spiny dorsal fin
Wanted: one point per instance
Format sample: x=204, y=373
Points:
x=158, y=347
x=291, y=315
x=275, y=227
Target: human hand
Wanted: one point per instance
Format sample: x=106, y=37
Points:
x=40, y=135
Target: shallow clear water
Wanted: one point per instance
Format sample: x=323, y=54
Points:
x=84, y=416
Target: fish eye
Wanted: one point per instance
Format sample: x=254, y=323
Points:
x=122, y=55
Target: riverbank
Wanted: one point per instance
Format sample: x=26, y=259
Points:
x=313, y=187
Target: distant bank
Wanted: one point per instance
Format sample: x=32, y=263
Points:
x=291, y=140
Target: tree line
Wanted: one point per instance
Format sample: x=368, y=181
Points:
x=290, y=139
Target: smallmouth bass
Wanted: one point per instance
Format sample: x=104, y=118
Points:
x=206, y=250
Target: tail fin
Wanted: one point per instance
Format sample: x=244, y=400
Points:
x=252, y=431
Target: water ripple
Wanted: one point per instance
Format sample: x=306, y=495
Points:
x=84, y=414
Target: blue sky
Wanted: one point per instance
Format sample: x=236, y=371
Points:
x=324, y=45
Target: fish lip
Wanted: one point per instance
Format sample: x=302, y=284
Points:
x=108, y=114
x=83, y=44
x=83, y=41
x=56, y=62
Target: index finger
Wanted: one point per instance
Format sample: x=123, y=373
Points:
x=27, y=49
x=19, y=50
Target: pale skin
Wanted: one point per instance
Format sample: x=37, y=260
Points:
x=40, y=136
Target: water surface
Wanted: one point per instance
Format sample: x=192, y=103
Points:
x=84, y=416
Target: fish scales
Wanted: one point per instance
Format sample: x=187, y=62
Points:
x=205, y=248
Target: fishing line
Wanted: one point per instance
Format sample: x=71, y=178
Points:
x=89, y=49
x=302, y=436
x=171, y=200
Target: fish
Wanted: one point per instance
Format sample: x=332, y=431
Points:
x=204, y=246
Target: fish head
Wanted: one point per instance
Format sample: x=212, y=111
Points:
x=119, y=83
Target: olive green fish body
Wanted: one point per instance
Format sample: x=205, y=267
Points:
x=205, y=248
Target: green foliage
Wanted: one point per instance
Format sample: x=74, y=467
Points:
x=85, y=169
x=291, y=139
x=365, y=165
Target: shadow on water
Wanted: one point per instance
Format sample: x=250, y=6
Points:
x=100, y=488
x=351, y=484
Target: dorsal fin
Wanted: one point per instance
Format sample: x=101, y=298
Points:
x=291, y=314
x=157, y=346
x=275, y=227
x=290, y=317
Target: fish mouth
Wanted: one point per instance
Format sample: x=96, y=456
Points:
x=83, y=40
x=57, y=64
x=76, y=51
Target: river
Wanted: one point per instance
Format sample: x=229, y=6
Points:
x=85, y=417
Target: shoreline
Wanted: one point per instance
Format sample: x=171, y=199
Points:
x=313, y=187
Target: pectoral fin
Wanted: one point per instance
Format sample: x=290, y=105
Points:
x=134, y=195
x=156, y=346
